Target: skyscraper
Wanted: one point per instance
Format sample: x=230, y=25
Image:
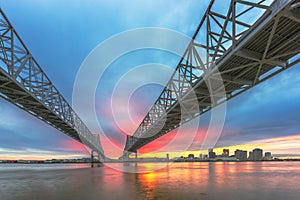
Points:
x=250, y=155
x=211, y=153
x=257, y=154
x=240, y=155
x=268, y=155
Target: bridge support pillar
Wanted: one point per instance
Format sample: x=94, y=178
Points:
x=92, y=159
x=98, y=156
x=100, y=160
x=125, y=156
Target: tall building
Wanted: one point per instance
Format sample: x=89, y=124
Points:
x=225, y=152
x=257, y=154
x=240, y=155
x=211, y=153
x=250, y=155
x=167, y=157
x=268, y=155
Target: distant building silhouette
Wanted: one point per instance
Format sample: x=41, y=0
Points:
x=257, y=154
x=191, y=156
x=240, y=155
x=211, y=153
x=250, y=155
x=268, y=155
x=225, y=152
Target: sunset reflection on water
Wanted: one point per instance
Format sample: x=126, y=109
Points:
x=234, y=180
x=198, y=180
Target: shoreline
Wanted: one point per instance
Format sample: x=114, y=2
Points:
x=207, y=161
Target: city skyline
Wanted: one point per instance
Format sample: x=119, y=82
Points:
x=266, y=115
x=256, y=154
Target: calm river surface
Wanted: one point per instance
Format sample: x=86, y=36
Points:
x=244, y=180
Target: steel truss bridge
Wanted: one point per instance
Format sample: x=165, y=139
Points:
x=25, y=84
x=239, y=53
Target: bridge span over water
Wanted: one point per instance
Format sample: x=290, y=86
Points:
x=248, y=44
x=239, y=55
x=24, y=84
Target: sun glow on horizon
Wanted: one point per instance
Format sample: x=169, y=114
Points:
x=287, y=145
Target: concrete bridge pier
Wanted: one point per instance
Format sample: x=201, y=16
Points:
x=126, y=155
x=136, y=155
x=98, y=163
x=92, y=159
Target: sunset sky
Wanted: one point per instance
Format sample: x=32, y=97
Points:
x=61, y=33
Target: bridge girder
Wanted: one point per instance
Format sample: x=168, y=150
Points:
x=244, y=54
x=25, y=84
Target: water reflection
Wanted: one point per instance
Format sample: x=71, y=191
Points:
x=245, y=180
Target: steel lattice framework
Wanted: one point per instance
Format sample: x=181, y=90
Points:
x=248, y=44
x=23, y=83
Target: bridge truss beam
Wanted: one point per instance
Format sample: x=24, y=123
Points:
x=25, y=84
x=244, y=52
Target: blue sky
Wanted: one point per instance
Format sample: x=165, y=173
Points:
x=60, y=34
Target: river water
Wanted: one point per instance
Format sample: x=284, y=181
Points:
x=228, y=180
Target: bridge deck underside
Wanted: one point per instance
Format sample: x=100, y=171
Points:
x=15, y=93
x=241, y=68
x=26, y=85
